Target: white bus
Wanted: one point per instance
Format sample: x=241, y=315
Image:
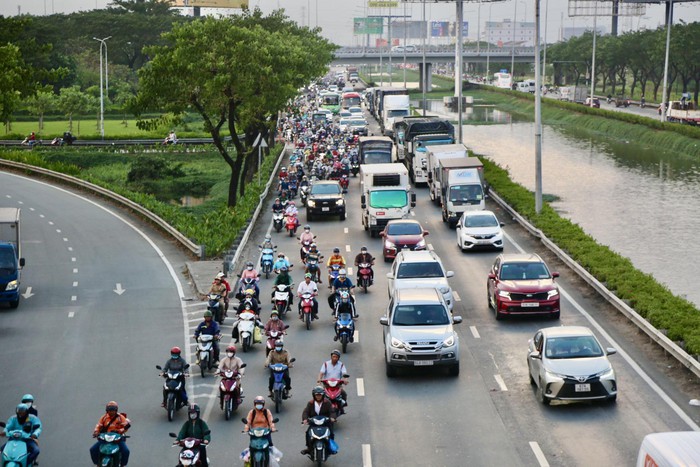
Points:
x=502, y=80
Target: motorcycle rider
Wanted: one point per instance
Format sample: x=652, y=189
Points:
x=282, y=262
x=176, y=363
x=318, y=405
x=365, y=257
x=314, y=255
x=286, y=279
x=218, y=287
x=233, y=363
x=111, y=422
x=260, y=417
x=267, y=243
x=249, y=272
x=210, y=327
x=28, y=399
x=222, y=277
x=274, y=323
x=279, y=355
x=335, y=369
x=335, y=259
x=195, y=427
x=277, y=206
x=293, y=212
x=28, y=423
x=306, y=235
x=307, y=285
x=248, y=298
x=342, y=282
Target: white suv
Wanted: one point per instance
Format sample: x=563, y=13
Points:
x=423, y=268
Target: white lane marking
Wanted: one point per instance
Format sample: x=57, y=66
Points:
x=642, y=374
x=347, y=248
x=349, y=271
x=356, y=336
x=501, y=383
x=413, y=213
x=345, y=230
x=75, y=270
x=430, y=246
x=28, y=293
x=20, y=202
x=50, y=223
x=196, y=320
x=190, y=305
x=71, y=314
x=366, y=455
x=475, y=333
x=31, y=209
x=360, y=387
x=65, y=239
x=73, y=298
x=119, y=290
x=58, y=230
x=74, y=259
x=210, y=396
x=8, y=196
x=75, y=284
x=70, y=248
x=42, y=216
x=456, y=296
x=206, y=385
x=539, y=454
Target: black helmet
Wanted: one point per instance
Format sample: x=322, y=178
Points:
x=336, y=250
x=194, y=408
x=318, y=390
x=364, y=248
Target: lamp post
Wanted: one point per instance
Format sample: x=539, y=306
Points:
x=424, y=72
x=488, y=46
x=664, y=97
x=103, y=43
x=512, y=49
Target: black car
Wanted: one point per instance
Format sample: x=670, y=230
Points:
x=325, y=198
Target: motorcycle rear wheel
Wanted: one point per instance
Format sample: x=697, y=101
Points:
x=246, y=344
x=344, y=342
x=203, y=366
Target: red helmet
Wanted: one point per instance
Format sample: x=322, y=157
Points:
x=231, y=348
x=176, y=350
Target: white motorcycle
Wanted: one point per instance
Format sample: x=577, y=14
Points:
x=246, y=329
x=205, y=352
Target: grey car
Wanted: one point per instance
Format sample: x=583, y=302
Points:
x=568, y=363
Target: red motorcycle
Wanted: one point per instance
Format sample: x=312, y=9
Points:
x=334, y=388
x=307, y=308
x=344, y=182
x=272, y=338
x=230, y=391
x=291, y=223
x=364, y=278
x=189, y=455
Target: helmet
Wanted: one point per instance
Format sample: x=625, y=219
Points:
x=291, y=203
x=307, y=227
x=308, y=274
x=24, y=408
x=259, y=400
x=27, y=399
x=335, y=352
x=318, y=390
x=364, y=248
x=277, y=199
x=268, y=238
x=249, y=264
x=208, y=314
x=283, y=168
x=274, y=312
x=175, y=350
x=249, y=292
x=336, y=250
x=193, y=408
x=313, y=246
x=111, y=405
x=231, y=348
x=342, y=272
x=220, y=275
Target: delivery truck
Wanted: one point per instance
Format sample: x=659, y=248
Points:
x=462, y=187
x=385, y=195
x=435, y=154
x=11, y=260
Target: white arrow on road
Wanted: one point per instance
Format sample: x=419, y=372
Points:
x=28, y=293
x=119, y=289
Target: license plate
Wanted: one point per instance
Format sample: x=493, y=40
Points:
x=483, y=242
x=325, y=209
x=530, y=304
x=422, y=362
x=582, y=388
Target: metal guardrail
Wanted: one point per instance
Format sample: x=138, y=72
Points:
x=114, y=142
x=654, y=334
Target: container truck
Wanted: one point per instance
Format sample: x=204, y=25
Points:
x=393, y=106
x=462, y=187
x=412, y=135
x=385, y=195
x=375, y=150
x=11, y=260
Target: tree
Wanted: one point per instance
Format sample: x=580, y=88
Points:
x=237, y=73
x=44, y=101
x=72, y=101
x=10, y=80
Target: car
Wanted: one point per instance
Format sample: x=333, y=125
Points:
x=418, y=331
x=359, y=126
x=355, y=110
x=404, y=48
x=402, y=233
x=344, y=124
x=413, y=269
x=479, y=229
x=344, y=113
x=333, y=88
x=596, y=102
x=521, y=284
x=348, y=89
x=568, y=363
x=325, y=198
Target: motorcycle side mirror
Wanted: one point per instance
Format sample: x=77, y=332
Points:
x=286, y=326
x=2, y=425
x=275, y=420
x=293, y=360
x=158, y=367
x=244, y=421
x=207, y=432
x=244, y=365
x=187, y=366
x=346, y=375
x=238, y=275
x=172, y=435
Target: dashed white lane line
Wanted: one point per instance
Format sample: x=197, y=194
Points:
x=58, y=230
x=20, y=202
x=190, y=305
x=74, y=259
x=75, y=270
x=356, y=336
x=75, y=284
x=65, y=239
x=501, y=383
x=430, y=246
x=70, y=248
x=31, y=209
x=456, y=296
x=8, y=196
x=42, y=216
x=475, y=333
x=539, y=454
x=345, y=230
x=71, y=314
x=360, y=387
x=50, y=222
x=347, y=248
x=349, y=270
x=366, y=455
x=413, y=213
x=73, y=298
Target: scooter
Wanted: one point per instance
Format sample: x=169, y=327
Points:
x=248, y=283
x=230, y=381
x=344, y=326
x=205, y=353
x=305, y=247
x=303, y=194
x=189, y=454
x=110, y=455
x=173, y=386
x=364, y=278
x=259, y=447
x=246, y=328
x=312, y=267
x=344, y=182
x=354, y=168
x=320, y=433
x=333, y=388
x=266, y=261
x=15, y=453
x=214, y=305
x=307, y=308
x=291, y=223
x=293, y=187
x=279, y=389
x=282, y=292
x=277, y=220
x=333, y=273
x=272, y=338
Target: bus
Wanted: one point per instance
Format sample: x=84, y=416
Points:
x=351, y=99
x=331, y=101
x=502, y=80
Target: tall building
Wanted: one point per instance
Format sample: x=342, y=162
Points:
x=502, y=34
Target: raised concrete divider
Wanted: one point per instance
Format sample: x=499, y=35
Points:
x=667, y=344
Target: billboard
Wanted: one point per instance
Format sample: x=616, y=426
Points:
x=447, y=29
x=211, y=3
x=383, y=3
x=368, y=26
x=413, y=29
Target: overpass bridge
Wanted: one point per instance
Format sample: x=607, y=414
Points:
x=373, y=55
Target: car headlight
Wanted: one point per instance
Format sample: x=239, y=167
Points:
x=340, y=202
x=397, y=344
x=12, y=285
x=445, y=290
x=421, y=243
x=552, y=374
x=552, y=293
x=504, y=294
x=451, y=213
x=311, y=203
x=389, y=244
x=606, y=374
x=449, y=342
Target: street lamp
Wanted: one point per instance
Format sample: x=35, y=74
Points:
x=512, y=49
x=103, y=43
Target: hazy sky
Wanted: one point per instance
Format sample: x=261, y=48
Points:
x=335, y=16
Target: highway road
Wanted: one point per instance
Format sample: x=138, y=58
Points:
x=76, y=343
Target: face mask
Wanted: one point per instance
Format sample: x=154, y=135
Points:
x=274, y=318
x=279, y=349
x=259, y=406
x=250, y=268
x=29, y=404
x=193, y=416
x=173, y=356
x=230, y=354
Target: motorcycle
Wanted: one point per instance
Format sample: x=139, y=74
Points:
x=259, y=447
x=333, y=272
x=266, y=260
x=272, y=338
x=189, y=454
x=364, y=278
x=214, y=305
x=320, y=433
x=282, y=292
x=307, y=307
x=293, y=187
x=277, y=220
x=304, y=250
x=173, y=386
x=246, y=329
x=344, y=182
x=303, y=194
x=110, y=455
x=230, y=381
x=344, y=326
x=205, y=353
x=291, y=223
x=15, y=452
x=333, y=388
x=355, y=168
x=312, y=267
x=279, y=389
x=248, y=283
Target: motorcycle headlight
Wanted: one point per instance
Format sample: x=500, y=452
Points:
x=12, y=285
x=552, y=293
x=340, y=202
x=449, y=342
x=311, y=203
x=397, y=344
x=504, y=294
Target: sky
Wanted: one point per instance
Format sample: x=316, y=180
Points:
x=335, y=17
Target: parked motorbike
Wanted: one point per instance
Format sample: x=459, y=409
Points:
x=278, y=220
x=279, y=389
x=214, y=305
x=291, y=223
x=272, y=338
x=205, y=353
x=307, y=307
x=259, y=447
x=345, y=327
x=320, y=433
x=15, y=452
x=110, y=455
x=364, y=278
x=230, y=398
x=189, y=454
x=333, y=388
x=267, y=260
x=173, y=387
x=246, y=329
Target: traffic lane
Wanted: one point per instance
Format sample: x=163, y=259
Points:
x=88, y=354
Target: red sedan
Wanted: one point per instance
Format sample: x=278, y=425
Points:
x=402, y=233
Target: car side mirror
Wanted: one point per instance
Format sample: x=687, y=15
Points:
x=610, y=351
x=389, y=275
x=413, y=200
x=450, y=274
x=535, y=354
x=492, y=276
x=382, y=234
x=384, y=321
x=456, y=319
x=21, y=262
x=425, y=232
x=503, y=224
x=555, y=274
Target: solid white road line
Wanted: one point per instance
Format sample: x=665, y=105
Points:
x=456, y=296
x=539, y=454
x=366, y=455
x=475, y=333
x=190, y=305
x=360, y=387
x=501, y=383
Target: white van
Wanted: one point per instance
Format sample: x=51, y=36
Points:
x=523, y=86
x=672, y=449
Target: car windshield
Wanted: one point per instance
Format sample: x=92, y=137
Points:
x=397, y=113
x=524, y=271
x=404, y=228
x=358, y=122
x=572, y=347
x=420, y=315
x=325, y=189
x=7, y=259
x=345, y=121
x=377, y=157
x=466, y=193
x=388, y=199
x=355, y=110
x=480, y=220
x=418, y=270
